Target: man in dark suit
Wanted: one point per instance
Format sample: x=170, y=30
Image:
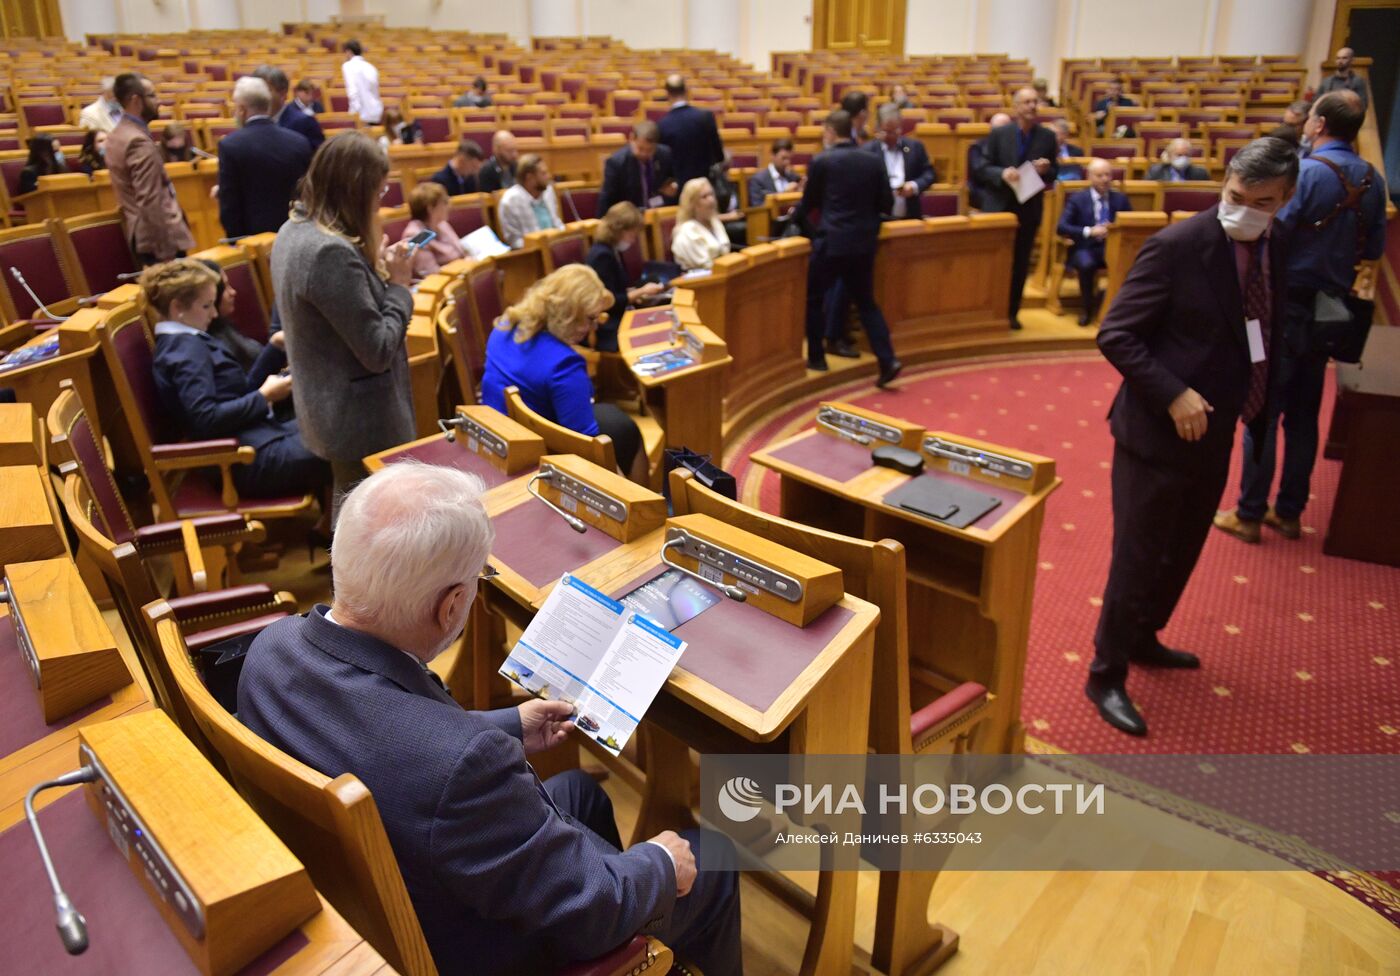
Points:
x=1084, y=223
x=499, y=171
x=507, y=874
x=691, y=134
x=285, y=115
x=640, y=172
x=1176, y=166
x=852, y=191
x=777, y=176
x=1066, y=150
x=1114, y=98
x=1193, y=332
x=260, y=165
x=856, y=104
x=976, y=155
x=906, y=162
x=1007, y=148
x=459, y=174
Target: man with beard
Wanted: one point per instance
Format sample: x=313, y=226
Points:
x=155, y=224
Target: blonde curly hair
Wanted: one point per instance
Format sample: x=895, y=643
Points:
x=556, y=302
x=180, y=280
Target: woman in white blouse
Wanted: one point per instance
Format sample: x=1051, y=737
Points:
x=699, y=236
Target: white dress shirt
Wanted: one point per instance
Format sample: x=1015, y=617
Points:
x=362, y=88
x=894, y=166
x=1100, y=210
x=781, y=184
x=101, y=115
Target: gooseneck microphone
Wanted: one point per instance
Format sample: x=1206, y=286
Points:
x=842, y=432
x=15, y=273
x=733, y=592
x=575, y=523
x=569, y=199
x=72, y=927
x=195, y=150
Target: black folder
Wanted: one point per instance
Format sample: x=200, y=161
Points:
x=943, y=501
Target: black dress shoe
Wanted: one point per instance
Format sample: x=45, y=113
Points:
x=1164, y=657
x=843, y=349
x=1015, y=325
x=889, y=373
x=1115, y=707
x=1086, y=316
x=818, y=364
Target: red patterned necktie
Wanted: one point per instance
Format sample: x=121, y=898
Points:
x=1256, y=306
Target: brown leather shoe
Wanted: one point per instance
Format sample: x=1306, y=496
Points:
x=1289, y=528
x=1245, y=530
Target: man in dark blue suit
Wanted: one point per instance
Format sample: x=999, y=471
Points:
x=289, y=116
x=851, y=190
x=777, y=177
x=260, y=165
x=640, y=172
x=507, y=874
x=1195, y=331
x=690, y=133
x=458, y=175
x=906, y=162
x=1084, y=223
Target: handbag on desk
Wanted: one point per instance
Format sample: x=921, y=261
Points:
x=711, y=475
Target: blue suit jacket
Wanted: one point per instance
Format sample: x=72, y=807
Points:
x=917, y=169
x=259, y=168
x=1079, y=214
x=552, y=377
x=622, y=178
x=501, y=881
x=306, y=125
x=851, y=190
x=200, y=382
x=693, y=138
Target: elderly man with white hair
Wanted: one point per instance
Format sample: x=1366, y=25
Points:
x=1176, y=164
x=507, y=874
x=1084, y=223
x=103, y=114
x=260, y=165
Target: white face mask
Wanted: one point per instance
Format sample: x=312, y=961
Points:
x=624, y=245
x=1182, y=163
x=1243, y=223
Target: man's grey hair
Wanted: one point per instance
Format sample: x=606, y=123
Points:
x=888, y=112
x=405, y=535
x=1182, y=142
x=252, y=93
x=275, y=77
x=1265, y=159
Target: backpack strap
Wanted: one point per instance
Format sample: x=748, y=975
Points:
x=1354, y=193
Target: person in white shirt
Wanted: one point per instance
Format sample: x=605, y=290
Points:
x=530, y=204
x=362, y=84
x=778, y=177
x=699, y=236
x=103, y=114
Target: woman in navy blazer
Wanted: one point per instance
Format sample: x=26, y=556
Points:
x=532, y=348
x=617, y=231
x=201, y=383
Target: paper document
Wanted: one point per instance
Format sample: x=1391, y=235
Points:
x=483, y=243
x=1030, y=182
x=608, y=660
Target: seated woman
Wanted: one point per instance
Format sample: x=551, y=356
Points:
x=617, y=232
x=45, y=159
x=175, y=143
x=699, y=236
x=429, y=203
x=223, y=328
x=93, y=155
x=532, y=348
x=201, y=384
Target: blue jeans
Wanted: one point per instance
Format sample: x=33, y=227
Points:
x=1297, y=398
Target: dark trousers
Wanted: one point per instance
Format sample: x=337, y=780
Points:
x=1085, y=263
x=856, y=274
x=146, y=260
x=1161, y=516
x=627, y=439
x=1028, y=222
x=282, y=467
x=1296, y=396
x=704, y=927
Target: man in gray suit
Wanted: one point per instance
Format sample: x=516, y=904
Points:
x=507, y=874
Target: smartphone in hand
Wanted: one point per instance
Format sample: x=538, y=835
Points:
x=421, y=238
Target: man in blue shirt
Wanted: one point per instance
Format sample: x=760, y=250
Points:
x=1333, y=224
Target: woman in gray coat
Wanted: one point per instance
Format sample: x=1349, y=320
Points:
x=345, y=308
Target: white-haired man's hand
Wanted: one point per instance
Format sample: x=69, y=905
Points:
x=544, y=724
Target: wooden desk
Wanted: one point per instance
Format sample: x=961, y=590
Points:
x=67, y=195
x=715, y=700
x=970, y=590
x=686, y=402
x=1126, y=235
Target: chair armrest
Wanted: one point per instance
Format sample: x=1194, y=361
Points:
x=235, y=599
x=201, y=454
x=212, y=530
x=635, y=956
x=963, y=699
x=201, y=639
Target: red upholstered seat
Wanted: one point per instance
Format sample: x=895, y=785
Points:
x=625, y=958
x=116, y=520
x=953, y=704
x=744, y=160
x=133, y=351
x=340, y=103
x=199, y=494
x=37, y=259
x=1113, y=152
x=619, y=128
x=1193, y=200
x=394, y=228
x=626, y=105
x=570, y=127
x=569, y=249
x=580, y=204
x=393, y=197
x=485, y=291
x=434, y=128
x=215, y=635
x=528, y=130
x=44, y=113
x=939, y=203
x=633, y=261
x=576, y=112
x=248, y=313
x=667, y=227
x=466, y=218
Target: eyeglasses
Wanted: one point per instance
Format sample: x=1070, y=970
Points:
x=489, y=573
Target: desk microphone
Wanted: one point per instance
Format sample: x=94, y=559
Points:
x=129, y=276
x=233, y=240
x=15, y=273
x=575, y=523
x=201, y=153
x=842, y=433
x=733, y=592
x=450, y=428
x=569, y=199
x=72, y=927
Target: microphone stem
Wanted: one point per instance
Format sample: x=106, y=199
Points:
x=84, y=775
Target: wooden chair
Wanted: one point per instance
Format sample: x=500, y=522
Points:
x=35, y=250
x=252, y=309
x=333, y=827
x=468, y=212
x=97, y=244
x=179, y=488
x=560, y=247
x=559, y=439
x=460, y=342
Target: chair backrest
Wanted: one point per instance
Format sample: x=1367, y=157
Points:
x=484, y=298
x=251, y=311
x=1195, y=197
x=434, y=128
x=578, y=201
x=661, y=221
x=566, y=247
x=129, y=354
x=559, y=439
x=35, y=250
x=393, y=197
x=331, y=825
x=99, y=247
x=393, y=220
x=69, y=426
x=468, y=212
x=462, y=339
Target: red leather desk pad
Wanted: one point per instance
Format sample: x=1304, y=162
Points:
x=652, y=316
x=447, y=454
x=829, y=457
x=539, y=545
x=746, y=652
x=1007, y=496
x=21, y=717
x=126, y=933
x=650, y=335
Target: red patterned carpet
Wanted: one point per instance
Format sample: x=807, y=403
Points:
x=1301, y=651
